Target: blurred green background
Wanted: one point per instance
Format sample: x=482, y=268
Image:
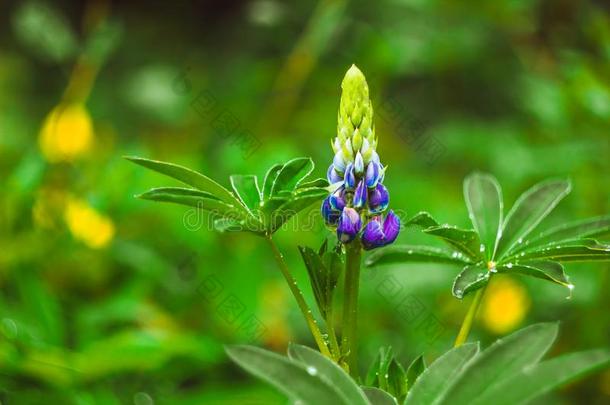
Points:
x=106, y=299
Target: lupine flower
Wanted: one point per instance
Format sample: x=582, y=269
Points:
x=361, y=198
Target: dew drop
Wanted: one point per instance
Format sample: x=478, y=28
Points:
x=482, y=248
x=520, y=240
x=410, y=252
x=570, y=289
x=522, y=254
x=312, y=370
x=509, y=265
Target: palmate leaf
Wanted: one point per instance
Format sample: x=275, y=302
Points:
x=328, y=372
x=568, y=251
x=296, y=380
x=190, y=177
x=432, y=383
x=284, y=194
x=483, y=197
x=501, y=360
x=543, y=377
x=414, y=253
x=531, y=208
x=471, y=278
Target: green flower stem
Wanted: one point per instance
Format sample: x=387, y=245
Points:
x=469, y=319
x=298, y=295
x=350, y=308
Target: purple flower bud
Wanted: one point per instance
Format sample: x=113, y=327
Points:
x=372, y=174
x=379, y=198
x=332, y=175
x=349, y=225
x=360, y=195
x=372, y=235
x=358, y=164
x=337, y=199
x=331, y=216
x=391, y=227
x=375, y=157
x=350, y=178
x=339, y=162
x=376, y=235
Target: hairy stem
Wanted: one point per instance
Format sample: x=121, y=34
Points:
x=469, y=319
x=298, y=295
x=350, y=308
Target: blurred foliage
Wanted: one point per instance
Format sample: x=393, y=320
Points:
x=108, y=299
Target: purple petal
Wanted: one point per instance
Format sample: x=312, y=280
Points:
x=349, y=225
x=379, y=198
x=360, y=195
x=372, y=175
x=331, y=216
x=391, y=227
x=372, y=236
x=337, y=199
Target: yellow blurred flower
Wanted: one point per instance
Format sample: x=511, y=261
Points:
x=274, y=313
x=505, y=306
x=87, y=225
x=67, y=133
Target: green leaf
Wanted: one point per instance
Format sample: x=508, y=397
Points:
x=504, y=358
x=323, y=279
x=414, y=253
x=571, y=251
x=471, y=278
x=291, y=174
x=246, y=188
x=329, y=372
x=415, y=369
x=190, y=177
x=543, y=377
x=290, y=377
x=192, y=198
x=386, y=356
x=317, y=183
x=423, y=220
x=531, y=208
x=378, y=397
x=372, y=375
x=545, y=270
x=436, y=379
x=466, y=241
x=587, y=228
x=397, y=381
x=483, y=197
x=269, y=179
x=293, y=206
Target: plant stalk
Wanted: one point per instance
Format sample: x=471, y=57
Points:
x=469, y=319
x=298, y=296
x=350, y=306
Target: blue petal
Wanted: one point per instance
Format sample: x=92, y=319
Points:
x=379, y=198
x=332, y=175
x=350, y=178
x=360, y=195
x=349, y=225
x=372, y=236
x=331, y=216
x=372, y=174
x=391, y=227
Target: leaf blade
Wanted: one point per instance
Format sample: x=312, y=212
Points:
x=483, y=196
x=413, y=253
x=529, y=210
